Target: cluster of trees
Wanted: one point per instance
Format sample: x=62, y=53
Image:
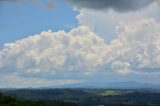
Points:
x=6, y=100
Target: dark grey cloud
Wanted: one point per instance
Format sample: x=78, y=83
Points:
x=9, y=0
x=117, y=5
x=47, y=4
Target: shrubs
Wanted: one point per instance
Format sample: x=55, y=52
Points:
x=6, y=100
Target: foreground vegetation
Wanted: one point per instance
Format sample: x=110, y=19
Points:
x=6, y=100
x=80, y=97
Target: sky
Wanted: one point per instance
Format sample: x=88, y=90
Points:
x=63, y=42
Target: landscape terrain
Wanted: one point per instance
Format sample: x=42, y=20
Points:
x=80, y=97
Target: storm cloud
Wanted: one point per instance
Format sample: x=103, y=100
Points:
x=117, y=5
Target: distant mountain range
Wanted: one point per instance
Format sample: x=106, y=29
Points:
x=114, y=85
x=127, y=85
x=132, y=84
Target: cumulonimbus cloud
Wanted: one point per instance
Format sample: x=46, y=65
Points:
x=80, y=52
x=118, y=5
x=53, y=53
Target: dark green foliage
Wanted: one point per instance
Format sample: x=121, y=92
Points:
x=6, y=100
x=82, y=97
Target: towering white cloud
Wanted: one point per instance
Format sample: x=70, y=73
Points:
x=104, y=22
x=54, y=54
x=141, y=42
x=80, y=52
